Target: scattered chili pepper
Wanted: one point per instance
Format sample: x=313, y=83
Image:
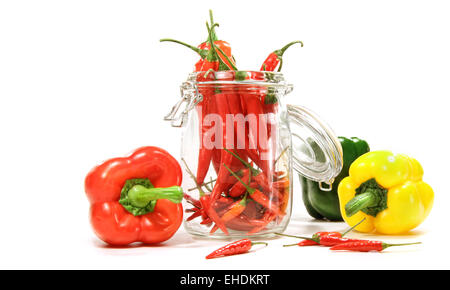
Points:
x=367, y=246
x=234, y=248
x=322, y=238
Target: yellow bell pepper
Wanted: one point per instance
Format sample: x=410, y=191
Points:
x=387, y=190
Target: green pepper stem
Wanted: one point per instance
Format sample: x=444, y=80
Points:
x=140, y=196
x=249, y=189
x=201, y=52
x=253, y=170
x=360, y=202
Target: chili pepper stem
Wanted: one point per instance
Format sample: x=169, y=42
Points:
x=281, y=154
x=281, y=51
x=290, y=245
x=298, y=237
x=214, y=48
x=260, y=243
x=226, y=57
x=248, y=165
x=204, y=184
x=395, y=245
x=200, y=190
x=213, y=32
x=249, y=189
x=353, y=227
x=201, y=52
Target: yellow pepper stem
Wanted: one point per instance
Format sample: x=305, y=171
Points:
x=359, y=202
x=370, y=198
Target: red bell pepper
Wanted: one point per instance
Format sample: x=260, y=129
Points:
x=136, y=198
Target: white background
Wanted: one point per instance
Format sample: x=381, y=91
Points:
x=84, y=81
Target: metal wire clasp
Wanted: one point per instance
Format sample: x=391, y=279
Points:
x=190, y=97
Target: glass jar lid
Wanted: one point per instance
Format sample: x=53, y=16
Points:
x=316, y=151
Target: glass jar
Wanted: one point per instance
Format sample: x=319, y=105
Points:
x=240, y=144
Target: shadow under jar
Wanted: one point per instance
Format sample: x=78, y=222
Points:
x=240, y=144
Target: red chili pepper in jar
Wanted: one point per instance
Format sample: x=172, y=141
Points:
x=234, y=210
x=234, y=248
x=276, y=58
x=205, y=203
x=257, y=195
x=257, y=175
x=267, y=218
x=207, y=58
x=238, y=189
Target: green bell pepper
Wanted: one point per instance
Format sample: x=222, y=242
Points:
x=325, y=204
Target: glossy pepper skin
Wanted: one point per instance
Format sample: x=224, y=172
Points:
x=325, y=204
x=388, y=191
x=111, y=222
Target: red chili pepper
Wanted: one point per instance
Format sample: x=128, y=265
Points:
x=306, y=243
x=284, y=200
x=257, y=195
x=192, y=200
x=212, y=214
x=257, y=175
x=267, y=218
x=323, y=238
x=194, y=215
x=251, y=211
x=244, y=223
x=208, y=60
x=205, y=203
x=238, y=189
x=232, y=211
x=258, y=132
x=366, y=246
x=282, y=183
x=128, y=197
x=276, y=58
x=234, y=248
x=226, y=157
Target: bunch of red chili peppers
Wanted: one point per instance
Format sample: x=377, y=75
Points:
x=337, y=242
x=334, y=240
x=248, y=193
